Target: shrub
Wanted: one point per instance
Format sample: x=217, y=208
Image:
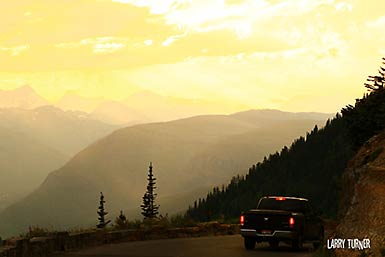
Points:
x=121, y=222
x=180, y=220
x=36, y=231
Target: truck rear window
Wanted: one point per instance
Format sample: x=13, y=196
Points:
x=285, y=205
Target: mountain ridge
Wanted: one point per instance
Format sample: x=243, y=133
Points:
x=37, y=141
x=55, y=127
x=22, y=97
x=117, y=165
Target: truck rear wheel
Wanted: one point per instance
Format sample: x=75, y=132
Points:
x=249, y=243
x=297, y=243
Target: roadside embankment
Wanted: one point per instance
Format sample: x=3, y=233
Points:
x=64, y=241
x=363, y=199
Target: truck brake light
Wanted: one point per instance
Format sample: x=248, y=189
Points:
x=280, y=198
x=291, y=222
x=242, y=220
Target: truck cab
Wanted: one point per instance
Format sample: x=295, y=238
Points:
x=278, y=219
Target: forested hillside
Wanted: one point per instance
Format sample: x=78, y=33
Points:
x=311, y=167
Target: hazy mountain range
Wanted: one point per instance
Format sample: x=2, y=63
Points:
x=81, y=144
x=189, y=155
x=65, y=131
x=24, y=97
x=24, y=163
x=140, y=107
x=37, y=141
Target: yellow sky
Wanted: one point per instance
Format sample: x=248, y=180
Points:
x=296, y=55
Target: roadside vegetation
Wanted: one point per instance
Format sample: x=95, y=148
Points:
x=151, y=217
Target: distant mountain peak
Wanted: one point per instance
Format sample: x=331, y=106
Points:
x=23, y=97
x=72, y=101
x=25, y=89
x=48, y=108
x=274, y=114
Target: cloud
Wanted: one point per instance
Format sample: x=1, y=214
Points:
x=101, y=45
x=15, y=50
x=257, y=79
x=156, y=6
x=344, y=6
x=132, y=34
x=173, y=38
x=64, y=21
x=377, y=23
x=148, y=42
x=230, y=2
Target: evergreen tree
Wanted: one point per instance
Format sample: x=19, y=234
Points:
x=149, y=208
x=121, y=221
x=377, y=82
x=102, y=213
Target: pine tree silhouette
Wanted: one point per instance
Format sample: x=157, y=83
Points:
x=102, y=213
x=376, y=83
x=121, y=221
x=149, y=208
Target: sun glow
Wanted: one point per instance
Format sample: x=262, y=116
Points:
x=253, y=54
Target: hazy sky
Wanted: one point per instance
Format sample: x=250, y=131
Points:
x=297, y=55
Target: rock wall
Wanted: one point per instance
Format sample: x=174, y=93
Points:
x=362, y=207
x=63, y=241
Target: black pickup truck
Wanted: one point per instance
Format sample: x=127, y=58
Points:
x=282, y=219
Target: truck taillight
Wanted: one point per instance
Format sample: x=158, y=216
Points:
x=291, y=222
x=242, y=220
x=280, y=198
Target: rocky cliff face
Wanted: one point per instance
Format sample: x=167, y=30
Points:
x=362, y=208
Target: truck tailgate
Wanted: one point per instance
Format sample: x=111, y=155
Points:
x=267, y=220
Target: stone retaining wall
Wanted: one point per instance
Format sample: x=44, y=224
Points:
x=63, y=241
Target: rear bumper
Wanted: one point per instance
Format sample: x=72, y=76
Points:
x=277, y=234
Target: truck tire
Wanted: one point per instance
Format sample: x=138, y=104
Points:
x=297, y=243
x=249, y=243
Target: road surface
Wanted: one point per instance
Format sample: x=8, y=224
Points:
x=215, y=246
